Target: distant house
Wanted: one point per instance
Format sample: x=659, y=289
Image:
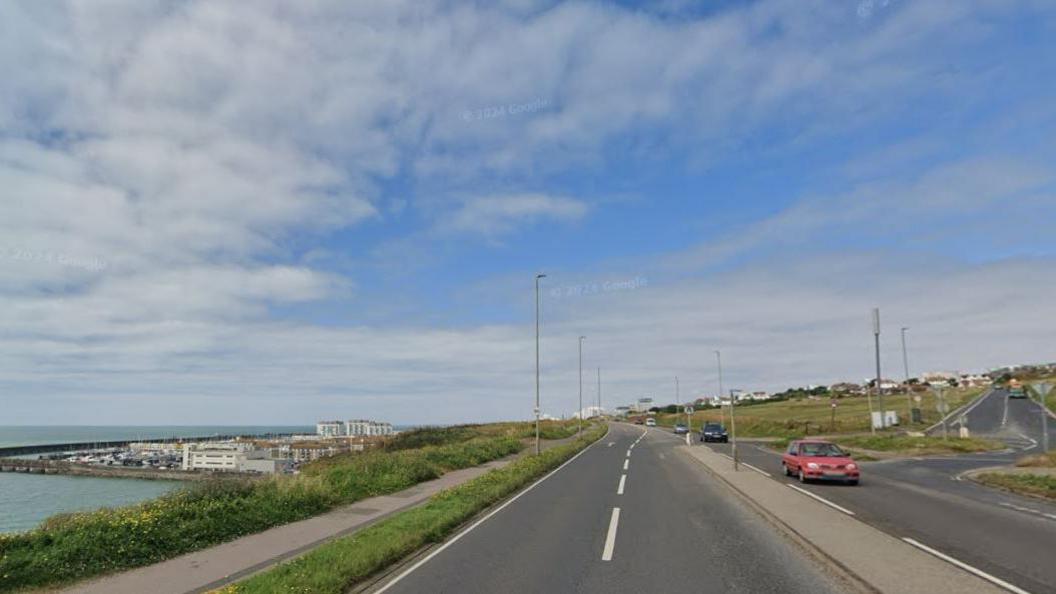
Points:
x=846, y=388
x=939, y=377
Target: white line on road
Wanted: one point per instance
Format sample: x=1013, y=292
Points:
x=823, y=500
x=966, y=567
x=610, y=538
x=612, y=443
x=1004, y=417
x=1029, y=510
x=628, y=453
x=623, y=481
x=760, y=471
x=625, y=463
x=458, y=536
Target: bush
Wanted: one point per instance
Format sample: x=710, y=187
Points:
x=74, y=546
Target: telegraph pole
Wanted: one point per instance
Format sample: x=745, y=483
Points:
x=581, y=384
x=718, y=360
x=599, y=391
x=879, y=390
x=537, y=410
x=1043, y=389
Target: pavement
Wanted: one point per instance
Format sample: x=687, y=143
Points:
x=632, y=513
x=211, y=568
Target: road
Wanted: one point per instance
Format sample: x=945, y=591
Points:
x=676, y=530
x=1005, y=535
x=1016, y=421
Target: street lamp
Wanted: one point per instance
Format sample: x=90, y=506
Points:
x=537, y=277
x=718, y=360
x=905, y=368
x=733, y=428
x=581, y=339
x=879, y=389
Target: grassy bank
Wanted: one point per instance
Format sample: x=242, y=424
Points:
x=918, y=446
x=75, y=546
x=798, y=417
x=339, y=565
x=1038, y=461
x=1025, y=484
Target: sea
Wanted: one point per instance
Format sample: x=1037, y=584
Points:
x=28, y=499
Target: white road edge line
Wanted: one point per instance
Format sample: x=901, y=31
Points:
x=822, y=499
x=625, y=463
x=458, y=536
x=623, y=481
x=610, y=538
x=966, y=567
x=759, y=470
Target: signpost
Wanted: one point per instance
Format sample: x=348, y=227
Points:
x=942, y=407
x=832, y=404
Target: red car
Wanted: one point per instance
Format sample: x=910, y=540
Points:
x=813, y=459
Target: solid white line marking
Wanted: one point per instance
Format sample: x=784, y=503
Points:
x=1004, y=417
x=623, y=481
x=610, y=538
x=625, y=463
x=823, y=500
x=458, y=536
x=760, y=471
x=966, y=567
x=728, y=457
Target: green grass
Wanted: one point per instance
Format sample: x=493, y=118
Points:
x=1026, y=484
x=798, y=417
x=918, y=446
x=1039, y=461
x=336, y=566
x=75, y=546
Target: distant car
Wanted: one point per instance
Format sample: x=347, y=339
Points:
x=639, y=421
x=1017, y=393
x=650, y=422
x=811, y=459
x=681, y=429
x=714, y=432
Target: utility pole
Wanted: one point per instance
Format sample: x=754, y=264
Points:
x=718, y=360
x=879, y=390
x=1043, y=388
x=580, y=415
x=537, y=410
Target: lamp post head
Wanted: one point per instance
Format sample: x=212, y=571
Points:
x=539, y=276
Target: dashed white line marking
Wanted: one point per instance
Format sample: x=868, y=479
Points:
x=610, y=538
x=612, y=443
x=663, y=457
x=628, y=453
x=458, y=536
x=625, y=463
x=986, y=576
x=823, y=500
x=1004, y=417
x=623, y=481
x=760, y=471
x=1029, y=510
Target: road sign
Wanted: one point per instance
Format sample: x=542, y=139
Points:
x=942, y=407
x=1043, y=388
x=689, y=410
x=917, y=398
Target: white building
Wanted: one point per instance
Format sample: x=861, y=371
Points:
x=223, y=457
x=362, y=427
x=330, y=429
x=642, y=405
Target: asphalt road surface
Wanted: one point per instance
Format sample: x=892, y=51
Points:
x=926, y=499
x=676, y=530
x=1016, y=421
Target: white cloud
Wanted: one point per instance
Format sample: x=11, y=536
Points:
x=494, y=216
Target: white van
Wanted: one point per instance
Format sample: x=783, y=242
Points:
x=650, y=422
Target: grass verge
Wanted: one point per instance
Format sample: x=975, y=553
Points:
x=1025, y=484
x=336, y=566
x=1038, y=461
x=918, y=446
x=69, y=547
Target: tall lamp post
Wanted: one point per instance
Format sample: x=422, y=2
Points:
x=879, y=389
x=718, y=360
x=905, y=369
x=733, y=428
x=537, y=410
x=599, y=392
x=581, y=339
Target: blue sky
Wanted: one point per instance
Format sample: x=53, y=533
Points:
x=253, y=215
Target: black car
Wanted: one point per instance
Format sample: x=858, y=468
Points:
x=714, y=432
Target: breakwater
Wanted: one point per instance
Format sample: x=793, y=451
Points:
x=84, y=446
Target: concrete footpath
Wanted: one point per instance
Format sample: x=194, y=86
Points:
x=879, y=560
x=216, y=566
